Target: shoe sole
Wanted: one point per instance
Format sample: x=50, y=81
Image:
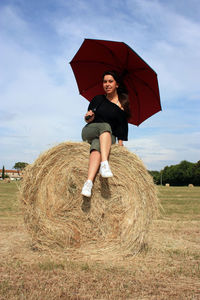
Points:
x=106, y=176
x=86, y=195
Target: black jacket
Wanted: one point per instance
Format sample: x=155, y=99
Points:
x=108, y=112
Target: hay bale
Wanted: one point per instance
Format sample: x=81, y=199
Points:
x=167, y=184
x=6, y=180
x=190, y=185
x=114, y=221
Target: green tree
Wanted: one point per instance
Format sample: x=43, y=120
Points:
x=186, y=171
x=156, y=176
x=3, y=173
x=20, y=166
x=179, y=175
x=196, y=173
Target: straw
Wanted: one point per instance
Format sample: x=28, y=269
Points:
x=114, y=222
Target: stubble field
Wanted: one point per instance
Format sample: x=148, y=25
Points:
x=168, y=268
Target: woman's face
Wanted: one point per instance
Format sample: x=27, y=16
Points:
x=109, y=84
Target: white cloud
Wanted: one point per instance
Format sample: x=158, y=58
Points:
x=38, y=109
x=40, y=105
x=158, y=151
x=167, y=40
x=171, y=46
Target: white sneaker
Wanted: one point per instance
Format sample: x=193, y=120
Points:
x=87, y=188
x=105, y=170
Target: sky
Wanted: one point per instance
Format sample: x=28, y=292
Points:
x=40, y=105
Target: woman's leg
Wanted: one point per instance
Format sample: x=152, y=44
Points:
x=105, y=144
x=91, y=132
x=94, y=163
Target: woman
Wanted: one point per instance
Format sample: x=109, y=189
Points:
x=106, y=120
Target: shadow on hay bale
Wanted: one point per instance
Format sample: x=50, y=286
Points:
x=114, y=221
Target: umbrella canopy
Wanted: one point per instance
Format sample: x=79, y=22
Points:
x=97, y=56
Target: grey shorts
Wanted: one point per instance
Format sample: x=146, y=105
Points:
x=92, y=131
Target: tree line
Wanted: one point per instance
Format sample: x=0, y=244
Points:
x=181, y=174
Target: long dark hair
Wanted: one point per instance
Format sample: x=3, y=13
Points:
x=121, y=91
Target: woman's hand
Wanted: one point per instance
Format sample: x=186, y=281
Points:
x=89, y=116
x=120, y=143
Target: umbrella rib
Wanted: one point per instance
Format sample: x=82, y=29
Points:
x=91, y=62
x=147, y=85
x=134, y=90
x=109, y=50
x=92, y=86
x=139, y=57
x=140, y=69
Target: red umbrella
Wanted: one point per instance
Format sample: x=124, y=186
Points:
x=97, y=56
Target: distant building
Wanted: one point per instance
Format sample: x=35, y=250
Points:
x=12, y=174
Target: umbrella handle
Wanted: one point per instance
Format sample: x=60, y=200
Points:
x=88, y=117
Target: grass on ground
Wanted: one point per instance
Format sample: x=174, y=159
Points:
x=169, y=268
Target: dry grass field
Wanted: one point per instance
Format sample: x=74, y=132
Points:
x=168, y=268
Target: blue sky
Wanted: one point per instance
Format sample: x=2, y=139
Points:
x=39, y=101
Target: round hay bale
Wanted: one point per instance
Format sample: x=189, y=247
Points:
x=6, y=180
x=190, y=185
x=114, y=221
